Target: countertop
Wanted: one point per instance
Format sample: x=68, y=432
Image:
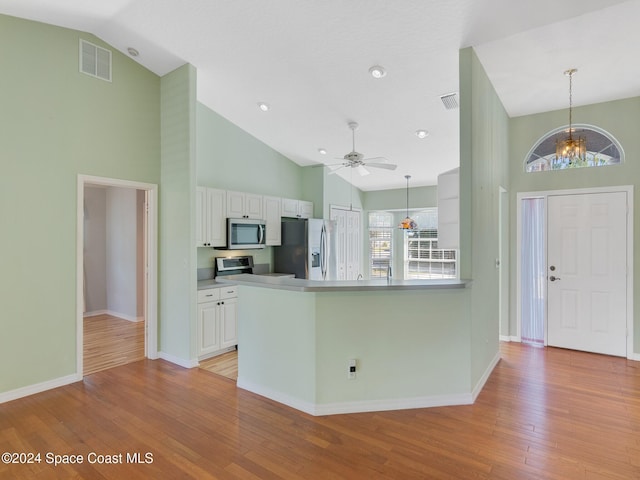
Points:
x=216, y=283
x=210, y=283
x=301, y=285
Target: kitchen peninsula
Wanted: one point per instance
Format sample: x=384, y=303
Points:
x=410, y=342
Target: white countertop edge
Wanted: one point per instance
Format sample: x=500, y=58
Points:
x=301, y=285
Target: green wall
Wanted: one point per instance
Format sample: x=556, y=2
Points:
x=339, y=192
x=416, y=357
x=177, y=329
x=419, y=197
x=621, y=119
x=484, y=137
x=231, y=159
x=57, y=123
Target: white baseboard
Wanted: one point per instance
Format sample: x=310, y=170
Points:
x=485, y=376
x=192, y=363
x=634, y=356
x=393, y=404
x=215, y=354
x=357, y=407
x=123, y=316
x=510, y=338
x=279, y=397
x=39, y=387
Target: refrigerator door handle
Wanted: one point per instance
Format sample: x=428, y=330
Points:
x=323, y=252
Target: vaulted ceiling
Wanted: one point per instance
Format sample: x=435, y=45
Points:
x=309, y=61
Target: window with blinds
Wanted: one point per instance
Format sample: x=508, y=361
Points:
x=423, y=259
x=380, y=243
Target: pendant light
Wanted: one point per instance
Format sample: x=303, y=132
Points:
x=571, y=150
x=408, y=223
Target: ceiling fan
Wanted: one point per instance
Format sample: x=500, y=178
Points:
x=357, y=161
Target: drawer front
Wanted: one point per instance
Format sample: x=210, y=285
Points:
x=230, y=291
x=208, y=295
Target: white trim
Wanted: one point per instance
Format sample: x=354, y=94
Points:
x=122, y=316
x=151, y=251
x=485, y=376
x=39, y=387
x=628, y=189
x=360, y=406
x=181, y=362
x=502, y=248
x=95, y=313
x=279, y=397
x=510, y=338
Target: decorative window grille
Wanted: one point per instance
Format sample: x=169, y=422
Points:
x=602, y=150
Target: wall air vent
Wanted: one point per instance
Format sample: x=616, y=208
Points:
x=95, y=60
x=450, y=100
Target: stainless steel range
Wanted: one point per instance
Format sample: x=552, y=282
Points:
x=233, y=265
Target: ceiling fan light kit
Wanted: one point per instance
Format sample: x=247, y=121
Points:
x=356, y=160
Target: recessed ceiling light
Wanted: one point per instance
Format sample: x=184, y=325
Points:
x=263, y=106
x=377, y=71
x=322, y=151
x=133, y=52
x=421, y=133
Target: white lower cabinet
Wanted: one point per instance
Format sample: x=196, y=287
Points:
x=217, y=320
x=228, y=322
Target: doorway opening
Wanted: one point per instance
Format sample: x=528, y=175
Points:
x=575, y=269
x=117, y=279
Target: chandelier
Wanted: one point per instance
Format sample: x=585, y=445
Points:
x=571, y=150
x=408, y=223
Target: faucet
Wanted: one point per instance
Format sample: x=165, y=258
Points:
x=388, y=272
x=360, y=277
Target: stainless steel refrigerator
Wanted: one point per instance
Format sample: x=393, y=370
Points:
x=307, y=249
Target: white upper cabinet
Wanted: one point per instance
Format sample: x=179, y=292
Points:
x=210, y=217
x=271, y=207
x=244, y=205
x=214, y=206
x=305, y=209
x=289, y=207
x=297, y=208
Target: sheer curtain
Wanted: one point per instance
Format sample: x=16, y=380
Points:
x=533, y=271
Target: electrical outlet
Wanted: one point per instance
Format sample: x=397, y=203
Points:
x=351, y=369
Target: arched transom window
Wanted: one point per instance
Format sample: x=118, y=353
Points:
x=602, y=149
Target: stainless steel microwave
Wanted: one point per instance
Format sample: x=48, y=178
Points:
x=245, y=233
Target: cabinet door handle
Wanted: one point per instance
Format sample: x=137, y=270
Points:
x=210, y=295
x=221, y=303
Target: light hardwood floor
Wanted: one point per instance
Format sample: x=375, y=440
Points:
x=110, y=342
x=225, y=365
x=543, y=414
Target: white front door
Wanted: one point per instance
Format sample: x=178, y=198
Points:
x=586, y=272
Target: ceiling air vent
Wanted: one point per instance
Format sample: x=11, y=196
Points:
x=95, y=60
x=450, y=100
